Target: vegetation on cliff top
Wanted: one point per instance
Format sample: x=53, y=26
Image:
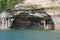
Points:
x=8, y=4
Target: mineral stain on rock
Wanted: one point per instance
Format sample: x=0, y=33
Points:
x=25, y=20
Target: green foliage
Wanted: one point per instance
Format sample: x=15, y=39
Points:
x=1, y=5
x=8, y=4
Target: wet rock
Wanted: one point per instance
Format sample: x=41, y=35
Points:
x=25, y=20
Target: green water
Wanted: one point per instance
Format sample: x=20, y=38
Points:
x=25, y=34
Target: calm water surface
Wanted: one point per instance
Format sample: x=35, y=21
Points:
x=25, y=34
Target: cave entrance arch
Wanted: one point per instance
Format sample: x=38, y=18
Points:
x=36, y=18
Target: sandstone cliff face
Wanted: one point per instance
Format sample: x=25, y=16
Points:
x=54, y=13
x=40, y=3
x=34, y=19
x=43, y=3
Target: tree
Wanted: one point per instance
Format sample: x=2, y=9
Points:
x=8, y=4
x=1, y=5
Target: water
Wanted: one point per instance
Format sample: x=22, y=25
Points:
x=25, y=34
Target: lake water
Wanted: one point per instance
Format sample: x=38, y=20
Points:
x=25, y=34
